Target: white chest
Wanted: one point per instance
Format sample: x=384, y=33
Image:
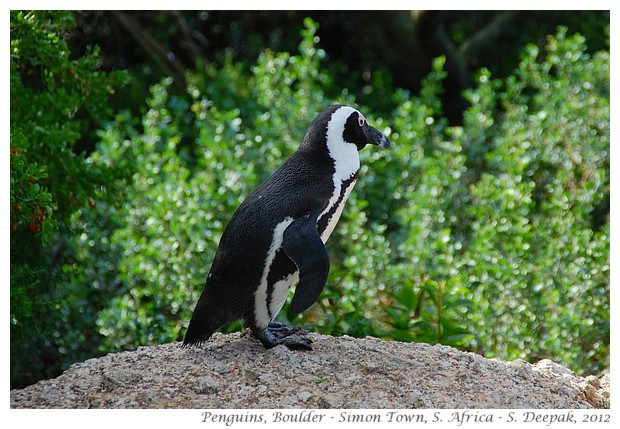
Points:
x=333, y=220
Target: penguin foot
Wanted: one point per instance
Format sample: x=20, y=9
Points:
x=280, y=330
x=277, y=333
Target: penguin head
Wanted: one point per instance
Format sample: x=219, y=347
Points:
x=360, y=133
x=340, y=125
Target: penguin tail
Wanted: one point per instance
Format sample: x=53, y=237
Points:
x=194, y=335
x=200, y=328
x=205, y=321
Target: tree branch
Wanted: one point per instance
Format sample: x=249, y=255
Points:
x=471, y=47
x=164, y=58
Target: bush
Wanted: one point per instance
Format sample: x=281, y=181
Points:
x=187, y=183
x=492, y=237
x=56, y=102
x=538, y=257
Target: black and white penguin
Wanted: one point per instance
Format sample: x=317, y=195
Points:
x=277, y=236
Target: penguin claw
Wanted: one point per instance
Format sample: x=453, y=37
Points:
x=276, y=326
x=298, y=343
x=282, y=331
x=278, y=334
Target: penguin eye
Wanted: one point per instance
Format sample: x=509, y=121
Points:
x=361, y=120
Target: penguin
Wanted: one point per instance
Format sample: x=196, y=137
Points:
x=276, y=238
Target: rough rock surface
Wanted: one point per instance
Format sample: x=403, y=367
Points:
x=234, y=371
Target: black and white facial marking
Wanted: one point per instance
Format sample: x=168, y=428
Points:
x=344, y=138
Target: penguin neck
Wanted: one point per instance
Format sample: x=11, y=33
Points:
x=329, y=217
x=346, y=163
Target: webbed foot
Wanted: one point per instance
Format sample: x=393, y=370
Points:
x=277, y=333
x=281, y=330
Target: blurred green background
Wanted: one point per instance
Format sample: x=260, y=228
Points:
x=135, y=135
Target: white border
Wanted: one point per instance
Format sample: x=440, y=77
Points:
x=189, y=418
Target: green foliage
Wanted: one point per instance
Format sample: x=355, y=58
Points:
x=194, y=161
x=454, y=228
x=539, y=265
x=55, y=102
x=31, y=203
x=425, y=316
x=492, y=237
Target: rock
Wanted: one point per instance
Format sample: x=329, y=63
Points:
x=235, y=371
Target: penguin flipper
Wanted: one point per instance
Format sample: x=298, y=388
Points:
x=303, y=245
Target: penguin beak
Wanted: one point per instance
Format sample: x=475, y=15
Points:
x=375, y=137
